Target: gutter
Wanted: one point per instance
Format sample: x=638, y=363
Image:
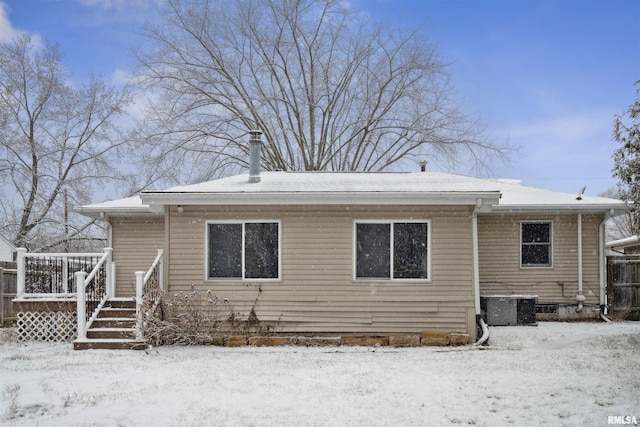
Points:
x=476, y=275
x=580, y=298
x=603, y=266
x=559, y=208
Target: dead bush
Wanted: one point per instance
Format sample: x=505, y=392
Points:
x=186, y=318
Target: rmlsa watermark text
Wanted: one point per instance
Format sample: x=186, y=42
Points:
x=622, y=420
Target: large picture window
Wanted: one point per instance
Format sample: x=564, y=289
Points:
x=392, y=250
x=536, y=250
x=244, y=250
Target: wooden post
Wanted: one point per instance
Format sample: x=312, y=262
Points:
x=112, y=291
x=20, y=255
x=161, y=270
x=82, y=309
x=139, y=286
x=1, y=297
x=109, y=272
x=65, y=274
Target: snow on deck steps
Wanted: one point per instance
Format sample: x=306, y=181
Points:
x=113, y=328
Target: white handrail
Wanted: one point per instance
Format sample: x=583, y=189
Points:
x=141, y=281
x=61, y=254
x=82, y=280
x=107, y=255
x=153, y=266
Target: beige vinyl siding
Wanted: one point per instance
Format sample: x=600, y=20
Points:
x=317, y=292
x=499, y=258
x=135, y=241
x=6, y=251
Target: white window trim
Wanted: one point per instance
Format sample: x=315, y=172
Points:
x=242, y=222
x=391, y=253
x=551, y=251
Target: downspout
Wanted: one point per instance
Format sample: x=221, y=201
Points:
x=580, y=298
x=603, y=268
x=109, y=234
x=476, y=275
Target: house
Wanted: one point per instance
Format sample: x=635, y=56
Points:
x=388, y=255
x=375, y=254
x=7, y=250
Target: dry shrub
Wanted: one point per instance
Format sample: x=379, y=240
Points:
x=186, y=318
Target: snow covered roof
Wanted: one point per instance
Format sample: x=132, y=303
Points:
x=359, y=188
x=331, y=188
x=516, y=197
x=119, y=207
x=624, y=243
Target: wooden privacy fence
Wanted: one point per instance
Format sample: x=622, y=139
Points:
x=8, y=289
x=623, y=283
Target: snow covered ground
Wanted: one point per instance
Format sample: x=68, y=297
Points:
x=553, y=374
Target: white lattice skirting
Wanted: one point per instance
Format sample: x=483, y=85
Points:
x=47, y=326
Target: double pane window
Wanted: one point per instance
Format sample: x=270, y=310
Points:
x=247, y=250
x=392, y=250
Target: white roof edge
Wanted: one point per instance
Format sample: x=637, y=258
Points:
x=627, y=241
x=322, y=198
x=613, y=208
x=105, y=212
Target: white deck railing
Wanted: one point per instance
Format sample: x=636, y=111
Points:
x=87, y=277
x=149, y=287
x=51, y=275
x=93, y=290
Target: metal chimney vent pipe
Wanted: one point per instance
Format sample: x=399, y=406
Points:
x=255, y=149
x=423, y=165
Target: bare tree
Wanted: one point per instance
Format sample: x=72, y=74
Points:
x=626, y=131
x=330, y=89
x=620, y=226
x=56, y=143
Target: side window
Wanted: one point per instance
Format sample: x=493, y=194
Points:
x=373, y=251
x=410, y=250
x=225, y=250
x=246, y=250
x=261, y=250
x=392, y=250
x=536, y=238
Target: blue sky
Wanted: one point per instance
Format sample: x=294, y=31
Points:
x=548, y=76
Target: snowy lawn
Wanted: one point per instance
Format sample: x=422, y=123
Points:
x=552, y=374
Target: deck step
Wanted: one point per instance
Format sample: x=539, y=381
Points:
x=121, y=303
x=121, y=333
x=114, y=328
x=113, y=322
x=109, y=344
x=129, y=313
